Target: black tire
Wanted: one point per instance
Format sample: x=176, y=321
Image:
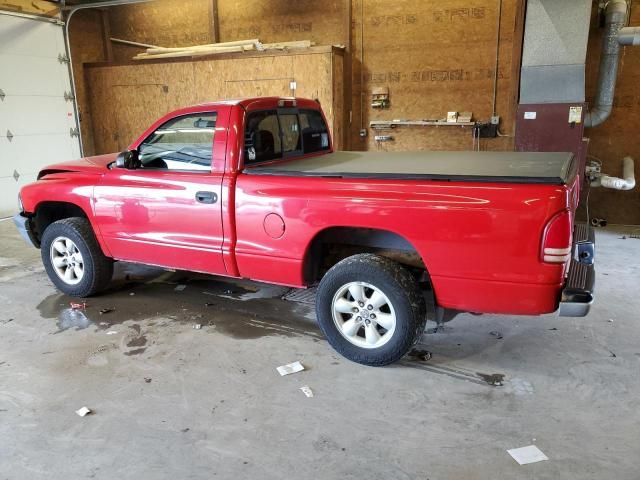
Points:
x=98, y=269
x=400, y=288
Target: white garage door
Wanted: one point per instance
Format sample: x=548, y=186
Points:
x=35, y=119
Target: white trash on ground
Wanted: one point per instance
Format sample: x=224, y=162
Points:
x=83, y=411
x=529, y=454
x=290, y=368
x=307, y=391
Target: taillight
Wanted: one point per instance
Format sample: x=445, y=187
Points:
x=556, y=240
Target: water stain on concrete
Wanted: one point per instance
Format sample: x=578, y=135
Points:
x=243, y=311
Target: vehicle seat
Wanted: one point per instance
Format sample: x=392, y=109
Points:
x=265, y=145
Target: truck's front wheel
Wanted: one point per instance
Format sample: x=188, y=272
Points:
x=73, y=259
x=370, y=309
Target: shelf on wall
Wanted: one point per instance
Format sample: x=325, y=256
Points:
x=380, y=124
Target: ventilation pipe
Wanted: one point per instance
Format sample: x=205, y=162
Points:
x=626, y=183
x=629, y=36
x=615, y=18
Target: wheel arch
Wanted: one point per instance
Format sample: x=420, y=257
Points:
x=332, y=244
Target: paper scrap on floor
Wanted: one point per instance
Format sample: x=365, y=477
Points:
x=83, y=411
x=290, y=368
x=179, y=288
x=525, y=455
x=307, y=391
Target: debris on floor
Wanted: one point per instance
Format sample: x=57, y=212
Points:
x=104, y=311
x=497, y=334
x=112, y=332
x=132, y=294
x=83, y=411
x=611, y=320
x=494, y=379
x=526, y=455
x=307, y=391
x=78, y=306
x=290, y=368
x=197, y=326
x=180, y=288
x=422, y=355
x=147, y=379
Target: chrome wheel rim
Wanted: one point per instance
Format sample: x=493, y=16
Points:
x=67, y=260
x=363, y=315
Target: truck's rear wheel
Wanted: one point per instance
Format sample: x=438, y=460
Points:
x=73, y=259
x=370, y=309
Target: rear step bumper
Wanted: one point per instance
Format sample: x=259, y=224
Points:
x=577, y=295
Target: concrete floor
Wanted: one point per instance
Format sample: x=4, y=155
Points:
x=174, y=402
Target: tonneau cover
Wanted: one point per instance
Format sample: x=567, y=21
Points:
x=554, y=168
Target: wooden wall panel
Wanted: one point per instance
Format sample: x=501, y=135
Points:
x=282, y=20
x=166, y=23
x=617, y=137
x=85, y=35
x=128, y=98
x=434, y=57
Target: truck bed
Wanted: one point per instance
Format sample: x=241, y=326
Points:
x=506, y=167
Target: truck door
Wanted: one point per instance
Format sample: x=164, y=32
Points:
x=168, y=211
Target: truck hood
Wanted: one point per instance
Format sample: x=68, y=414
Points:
x=96, y=165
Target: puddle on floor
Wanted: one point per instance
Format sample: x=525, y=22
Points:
x=240, y=309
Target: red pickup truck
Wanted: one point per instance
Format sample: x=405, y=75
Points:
x=253, y=189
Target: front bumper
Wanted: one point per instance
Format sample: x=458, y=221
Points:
x=577, y=294
x=23, y=225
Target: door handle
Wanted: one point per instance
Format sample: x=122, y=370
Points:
x=206, y=197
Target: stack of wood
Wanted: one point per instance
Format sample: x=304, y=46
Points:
x=154, y=52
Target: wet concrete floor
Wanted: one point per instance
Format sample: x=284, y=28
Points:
x=179, y=371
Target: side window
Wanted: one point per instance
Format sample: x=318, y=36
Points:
x=262, y=137
x=183, y=143
x=315, y=136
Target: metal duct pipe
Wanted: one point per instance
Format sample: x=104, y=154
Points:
x=629, y=36
x=628, y=181
x=615, y=18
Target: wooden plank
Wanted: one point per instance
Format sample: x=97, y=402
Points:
x=42, y=8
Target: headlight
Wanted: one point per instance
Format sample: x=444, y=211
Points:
x=20, y=207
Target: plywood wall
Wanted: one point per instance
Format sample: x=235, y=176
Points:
x=283, y=20
x=618, y=136
x=86, y=35
x=166, y=23
x=132, y=96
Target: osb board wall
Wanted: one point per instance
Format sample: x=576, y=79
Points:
x=86, y=36
x=434, y=57
x=618, y=136
x=130, y=97
x=32, y=7
x=166, y=23
x=283, y=20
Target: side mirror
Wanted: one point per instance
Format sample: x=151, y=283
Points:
x=128, y=160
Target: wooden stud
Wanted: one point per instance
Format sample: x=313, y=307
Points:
x=106, y=36
x=347, y=72
x=214, y=24
x=516, y=59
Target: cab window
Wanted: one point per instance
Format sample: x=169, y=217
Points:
x=274, y=134
x=183, y=143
